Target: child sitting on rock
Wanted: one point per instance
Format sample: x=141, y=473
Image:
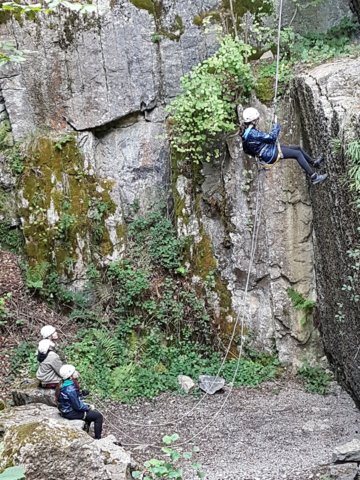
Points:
x=50, y=364
x=70, y=404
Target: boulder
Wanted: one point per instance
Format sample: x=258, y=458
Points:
x=34, y=395
x=186, y=383
x=348, y=452
x=51, y=447
x=211, y=384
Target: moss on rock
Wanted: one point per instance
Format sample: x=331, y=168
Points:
x=63, y=207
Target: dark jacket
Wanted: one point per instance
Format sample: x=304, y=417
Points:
x=261, y=144
x=69, y=401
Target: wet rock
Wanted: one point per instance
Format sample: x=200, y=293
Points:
x=348, y=452
x=186, y=383
x=211, y=385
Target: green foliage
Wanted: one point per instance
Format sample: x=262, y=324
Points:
x=4, y=311
x=301, y=303
x=13, y=473
x=133, y=363
x=316, y=379
x=9, y=52
x=265, y=80
x=157, y=233
x=63, y=140
x=169, y=468
x=10, y=237
x=35, y=275
x=24, y=359
x=353, y=153
x=206, y=107
x=10, y=149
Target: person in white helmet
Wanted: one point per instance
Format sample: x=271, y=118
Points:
x=49, y=332
x=70, y=404
x=265, y=146
x=48, y=372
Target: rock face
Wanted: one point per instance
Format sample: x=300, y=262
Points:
x=278, y=200
x=330, y=116
x=107, y=78
x=51, y=447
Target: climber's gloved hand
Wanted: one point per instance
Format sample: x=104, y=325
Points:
x=92, y=407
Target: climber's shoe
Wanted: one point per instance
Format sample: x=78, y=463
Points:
x=316, y=178
x=319, y=161
x=86, y=427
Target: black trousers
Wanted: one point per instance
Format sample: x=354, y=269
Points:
x=303, y=159
x=91, y=416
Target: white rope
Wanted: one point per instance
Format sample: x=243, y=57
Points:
x=255, y=231
x=277, y=57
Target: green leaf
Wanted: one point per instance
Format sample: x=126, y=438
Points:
x=13, y=473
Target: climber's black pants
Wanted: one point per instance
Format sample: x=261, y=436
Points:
x=303, y=159
x=91, y=416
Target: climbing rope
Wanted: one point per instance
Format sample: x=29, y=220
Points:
x=263, y=165
x=277, y=58
x=254, y=236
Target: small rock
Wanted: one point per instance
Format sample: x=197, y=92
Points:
x=186, y=383
x=267, y=55
x=347, y=471
x=348, y=452
x=211, y=384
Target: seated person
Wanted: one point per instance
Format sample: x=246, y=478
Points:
x=48, y=372
x=70, y=404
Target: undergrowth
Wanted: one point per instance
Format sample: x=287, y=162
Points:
x=141, y=320
x=316, y=379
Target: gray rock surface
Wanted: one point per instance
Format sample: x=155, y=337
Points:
x=51, y=447
x=34, y=395
x=104, y=77
x=348, y=452
x=330, y=114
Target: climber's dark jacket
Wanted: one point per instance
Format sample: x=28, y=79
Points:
x=68, y=399
x=260, y=144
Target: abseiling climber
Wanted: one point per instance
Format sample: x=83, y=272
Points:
x=265, y=146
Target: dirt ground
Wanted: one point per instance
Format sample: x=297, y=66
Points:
x=276, y=431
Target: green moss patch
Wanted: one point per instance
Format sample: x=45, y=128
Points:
x=64, y=207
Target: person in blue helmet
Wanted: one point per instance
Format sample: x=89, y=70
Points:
x=70, y=404
x=265, y=146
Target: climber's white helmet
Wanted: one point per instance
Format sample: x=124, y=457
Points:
x=45, y=345
x=48, y=331
x=66, y=371
x=250, y=114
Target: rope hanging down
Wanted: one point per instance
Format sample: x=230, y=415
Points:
x=256, y=225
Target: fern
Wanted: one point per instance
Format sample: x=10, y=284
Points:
x=108, y=346
x=301, y=303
